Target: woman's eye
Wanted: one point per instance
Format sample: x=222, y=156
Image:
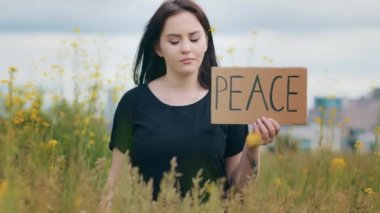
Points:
x=177, y=42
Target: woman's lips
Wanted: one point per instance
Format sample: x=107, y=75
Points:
x=187, y=60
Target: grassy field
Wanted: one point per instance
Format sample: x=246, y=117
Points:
x=57, y=160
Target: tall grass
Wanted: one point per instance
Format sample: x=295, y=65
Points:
x=57, y=160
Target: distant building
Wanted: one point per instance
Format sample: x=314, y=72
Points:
x=328, y=102
x=309, y=136
x=376, y=94
x=338, y=123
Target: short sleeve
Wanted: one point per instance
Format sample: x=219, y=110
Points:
x=122, y=127
x=236, y=135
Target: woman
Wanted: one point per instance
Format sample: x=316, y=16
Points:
x=168, y=114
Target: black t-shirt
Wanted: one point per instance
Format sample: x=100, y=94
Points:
x=155, y=132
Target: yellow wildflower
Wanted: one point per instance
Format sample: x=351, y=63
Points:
x=377, y=130
x=4, y=81
x=55, y=66
x=318, y=120
x=212, y=29
x=210, y=188
x=52, y=143
x=19, y=117
x=18, y=101
x=97, y=67
x=333, y=112
x=95, y=75
x=369, y=191
x=91, y=134
x=358, y=145
x=331, y=122
x=118, y=89
x=91, y=142
x=34, y=115
x=94, y=95
x=12, y=69
x=36, y=103
x=346, y=120
x=338, y=163
x=8, y=102
x=278, y=181
x=74, y=45
x=253, y=139
x=3, y=188
x=231, y=50
x=77, y=30
x=30, y=95
x=106, y=138
x=377, y=154
x=78, y=201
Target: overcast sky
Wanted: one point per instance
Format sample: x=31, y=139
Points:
x=337, y=40
x=238, y=15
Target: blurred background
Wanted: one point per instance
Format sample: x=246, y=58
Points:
x=52, y=43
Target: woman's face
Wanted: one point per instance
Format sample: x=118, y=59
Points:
x=182, y=44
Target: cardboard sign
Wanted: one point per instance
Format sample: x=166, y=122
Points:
x=241, y=95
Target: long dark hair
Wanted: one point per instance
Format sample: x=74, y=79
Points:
x=149, y=66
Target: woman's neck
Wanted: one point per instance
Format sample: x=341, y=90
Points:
x=177, y=91
x=182, y=82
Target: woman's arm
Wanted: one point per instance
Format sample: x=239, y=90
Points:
x=245, y=165
x=118, y=161
x=240, y=168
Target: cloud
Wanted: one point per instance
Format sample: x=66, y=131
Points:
x=63, y=16
x=296, y=15
x=227, y=16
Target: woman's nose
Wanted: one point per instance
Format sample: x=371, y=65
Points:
x=185, y=46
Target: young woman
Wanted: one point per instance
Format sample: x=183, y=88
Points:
x=168, y=114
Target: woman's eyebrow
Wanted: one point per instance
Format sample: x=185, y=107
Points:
x=193, y=33
x=179, y=35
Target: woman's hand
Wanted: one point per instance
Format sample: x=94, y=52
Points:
x=268, y=129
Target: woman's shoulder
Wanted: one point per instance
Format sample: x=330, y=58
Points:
x=133, y=94
x=135, y=91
